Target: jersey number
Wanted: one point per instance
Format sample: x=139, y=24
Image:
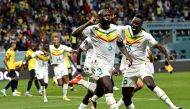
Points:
x=128, y=47
x=58, y=59
x=100, y=72
x=125, y=81
x=109, y=47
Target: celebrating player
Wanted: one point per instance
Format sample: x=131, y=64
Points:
x=31, y=68
x=41, y=67
x=85, y=46
x=69, y=62
x=137, y=41
x=104, y=37
x=59, y=65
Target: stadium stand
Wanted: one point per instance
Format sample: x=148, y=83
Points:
x=37, y=20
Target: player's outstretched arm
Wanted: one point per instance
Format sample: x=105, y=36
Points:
x=125, y=52
x=78, y=31
x=163, y=50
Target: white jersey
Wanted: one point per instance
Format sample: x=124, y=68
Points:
x=57, y=54
x=41, y=59
x=87, y=46
x=137, y=45
x=104, y=43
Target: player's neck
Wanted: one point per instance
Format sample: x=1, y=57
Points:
x=57, y=46
x=12, y=48
x=104, y=26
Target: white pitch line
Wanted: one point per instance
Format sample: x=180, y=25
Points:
x=80, y=97
x=53, y=106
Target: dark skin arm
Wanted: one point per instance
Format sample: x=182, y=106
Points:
x=163, y=50
x=150, y=55
x=78, y=59
x=125, y=52
x=79, y=55
x=71, y=59
x=27, y=59
x=78, y=31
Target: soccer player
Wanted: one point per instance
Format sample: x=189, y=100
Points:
x=85, y=46
x=31, y=68
x=69, y=62
x=9, y=61
x=104, y=37
x=59, y=65
x=41, y=67
x=137, y=41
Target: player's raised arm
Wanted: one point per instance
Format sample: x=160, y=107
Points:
x=78, y=59
x=78, y=31
x=125, y=52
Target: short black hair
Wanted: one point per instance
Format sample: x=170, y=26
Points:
x=101, y=11
x=140, y=16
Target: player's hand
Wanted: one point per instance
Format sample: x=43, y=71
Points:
x=92, y=20
x=54, y=65
x=115, y=72
x=79, y=68
x=167, y=59
x=129, y=59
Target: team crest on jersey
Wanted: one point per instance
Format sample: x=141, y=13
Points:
x=57, y=52
x=106, y=36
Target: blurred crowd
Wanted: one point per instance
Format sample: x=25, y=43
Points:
x=39, y=20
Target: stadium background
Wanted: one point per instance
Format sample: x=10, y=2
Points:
x=37, y=20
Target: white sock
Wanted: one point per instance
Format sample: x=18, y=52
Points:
x=94, y=98
x=131, y=106
x=162, y=95
x=65, y=87
x=110, y=100
x=82, y=106
x=44, y=93
x=120, y=102
x=89, y=85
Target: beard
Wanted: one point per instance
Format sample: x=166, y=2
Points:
x=105, y=22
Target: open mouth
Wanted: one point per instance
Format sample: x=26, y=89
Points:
x=134, y=28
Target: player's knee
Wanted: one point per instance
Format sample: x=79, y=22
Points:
x=127, y=93
x=60, y=84
x=100, y=94
x=87, y=96
x=46, y=85
x=108, y=89
x=42, y=83
x=127, y=101
x=150, y=85
x=85, y=100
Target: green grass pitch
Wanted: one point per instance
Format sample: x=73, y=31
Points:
x=177, y=87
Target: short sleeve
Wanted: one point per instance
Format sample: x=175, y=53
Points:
x=7, y=54
x=66, y=48
x=87, y=31
x=68, y=54
x=120, y=33
x=85, y=44
x=28, y=53
x=35, y=54
x=151, y=41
